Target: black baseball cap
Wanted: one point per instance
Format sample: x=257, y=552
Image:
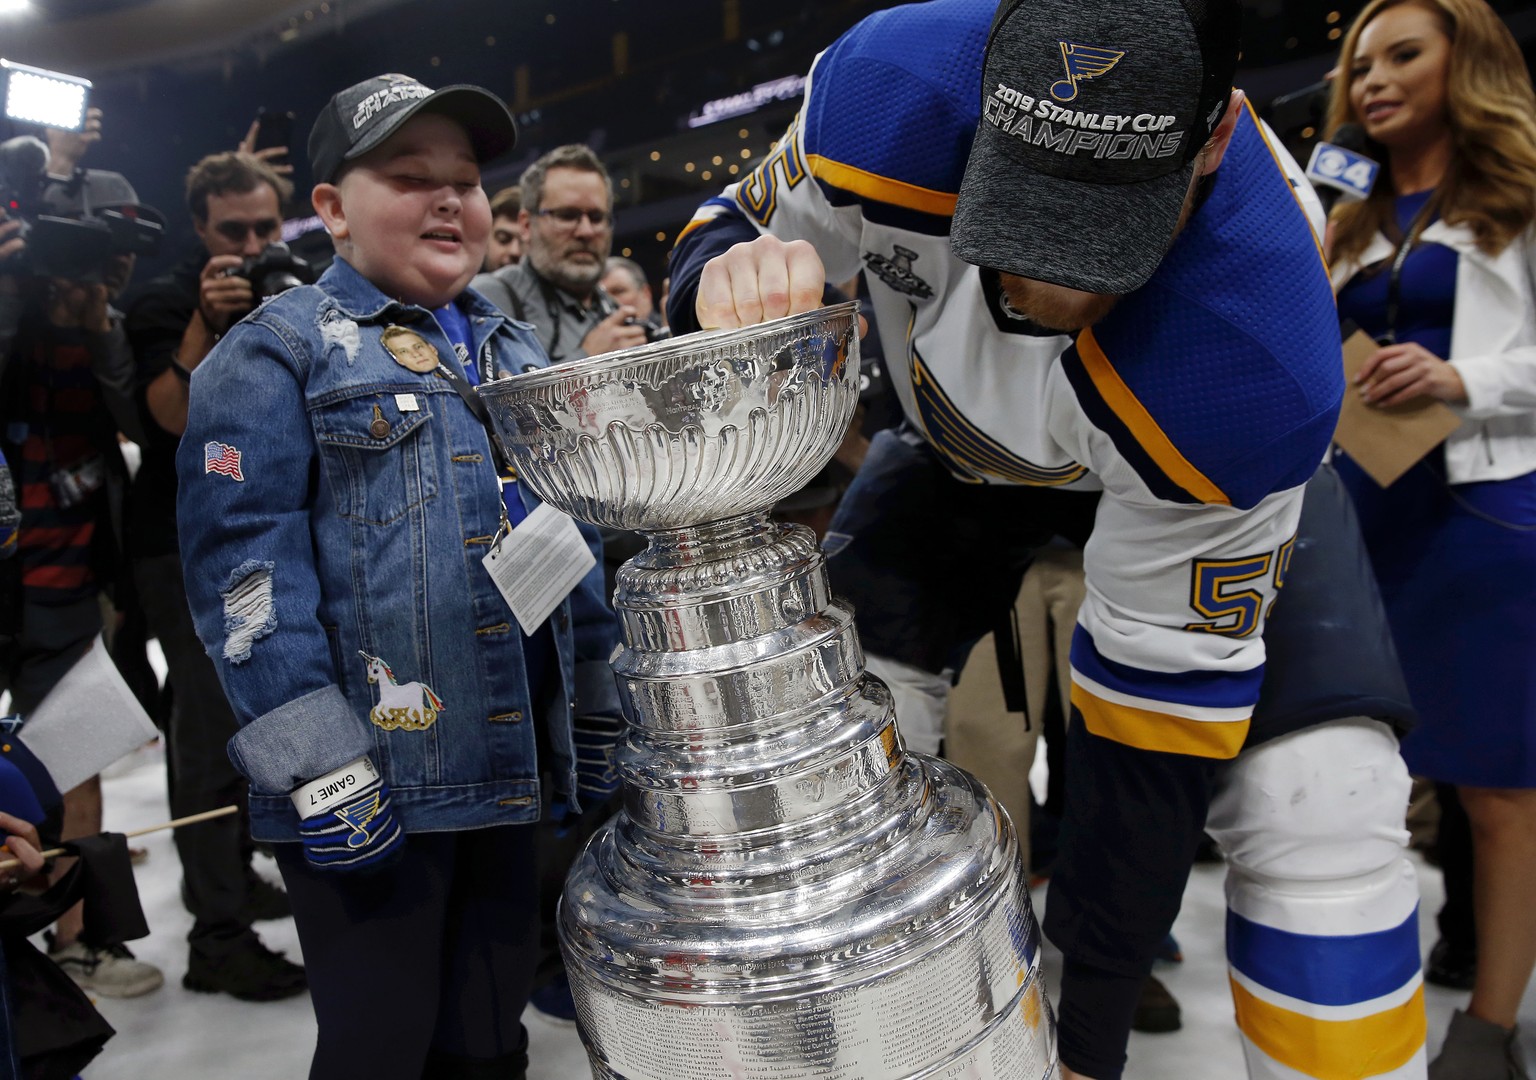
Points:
x=1092, y=117
x=361, y=117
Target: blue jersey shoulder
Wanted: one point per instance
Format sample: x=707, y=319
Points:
x=1225, y=368
x=898, y=96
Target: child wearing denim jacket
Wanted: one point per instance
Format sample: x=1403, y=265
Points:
x=338, y=495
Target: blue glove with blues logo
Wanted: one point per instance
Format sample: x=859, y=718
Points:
x=595, y=741
x=345, y=820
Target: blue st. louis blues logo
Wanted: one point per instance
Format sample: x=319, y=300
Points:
x=358, y=816
x=1082, y=62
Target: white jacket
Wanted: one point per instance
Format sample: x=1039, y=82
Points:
x=1493, y=348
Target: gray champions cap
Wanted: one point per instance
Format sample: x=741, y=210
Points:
x=362, y=116
x=1092, y=115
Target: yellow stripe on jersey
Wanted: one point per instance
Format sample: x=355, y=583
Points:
x=1145, y=729
x=1333, y=1049
x=694, y=224
x=965, y=445
x=881, y=188
x=1135, y=417
x=1286, y=180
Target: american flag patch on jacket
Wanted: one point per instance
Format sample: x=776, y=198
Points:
x=222, y=458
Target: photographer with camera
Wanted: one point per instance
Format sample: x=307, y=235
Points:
x=236, y=205
x=625, y=281
x=567, y=220
x=66, y=374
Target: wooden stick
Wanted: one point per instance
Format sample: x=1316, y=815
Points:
x=192, y=819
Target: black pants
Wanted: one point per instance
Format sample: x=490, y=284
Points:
x=1454, y=843
x=52, y=640
x=422, y=969
x=931, y=564
x=560, y=842
x=215, y=855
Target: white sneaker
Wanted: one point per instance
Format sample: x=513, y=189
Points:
x=111, y=971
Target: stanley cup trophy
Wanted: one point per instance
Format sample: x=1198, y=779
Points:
x=787, y=894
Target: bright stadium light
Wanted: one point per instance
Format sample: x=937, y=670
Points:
x=14, y=7
x=48, y=98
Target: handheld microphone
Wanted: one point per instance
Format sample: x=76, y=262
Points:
x=1341, y=169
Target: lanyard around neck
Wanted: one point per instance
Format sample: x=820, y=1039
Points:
x=555, y=309
x=1395, y=275
x=477, y=406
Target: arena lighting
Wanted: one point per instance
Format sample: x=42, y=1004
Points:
x=48, y=98
x=14, y=7
x=728, y=108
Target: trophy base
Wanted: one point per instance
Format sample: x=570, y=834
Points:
x=1006, y=1050
x=922, y=961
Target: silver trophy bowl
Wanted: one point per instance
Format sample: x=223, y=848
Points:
x=689, y=430
x=786, y=894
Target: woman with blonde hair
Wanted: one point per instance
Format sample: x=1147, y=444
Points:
x=1437, y=265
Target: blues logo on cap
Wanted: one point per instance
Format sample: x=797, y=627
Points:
x=1092, y=117
x=1082, y=62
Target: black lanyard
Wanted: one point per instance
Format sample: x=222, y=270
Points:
x=1395, y=275
x=553, y=308
x=476, y=405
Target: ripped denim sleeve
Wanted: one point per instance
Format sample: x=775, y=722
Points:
x=337, y=331
x=249, y=611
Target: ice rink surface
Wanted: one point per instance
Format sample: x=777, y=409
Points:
x=175, y=1034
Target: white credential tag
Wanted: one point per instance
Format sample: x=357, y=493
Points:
x=537, y=565
x=334, y=788
x=406, y=403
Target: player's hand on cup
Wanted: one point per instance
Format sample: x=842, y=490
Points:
x=761, y=279
x=621, y=330
x=224, y=296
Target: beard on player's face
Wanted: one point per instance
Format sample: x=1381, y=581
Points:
x=1055, y=307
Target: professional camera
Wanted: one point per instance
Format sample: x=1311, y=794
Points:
x=71, y=226
x=653, y=332
x=274, y=271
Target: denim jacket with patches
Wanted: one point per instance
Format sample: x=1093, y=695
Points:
x=335, y=506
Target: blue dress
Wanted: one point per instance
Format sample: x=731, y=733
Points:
x=1456, y=564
